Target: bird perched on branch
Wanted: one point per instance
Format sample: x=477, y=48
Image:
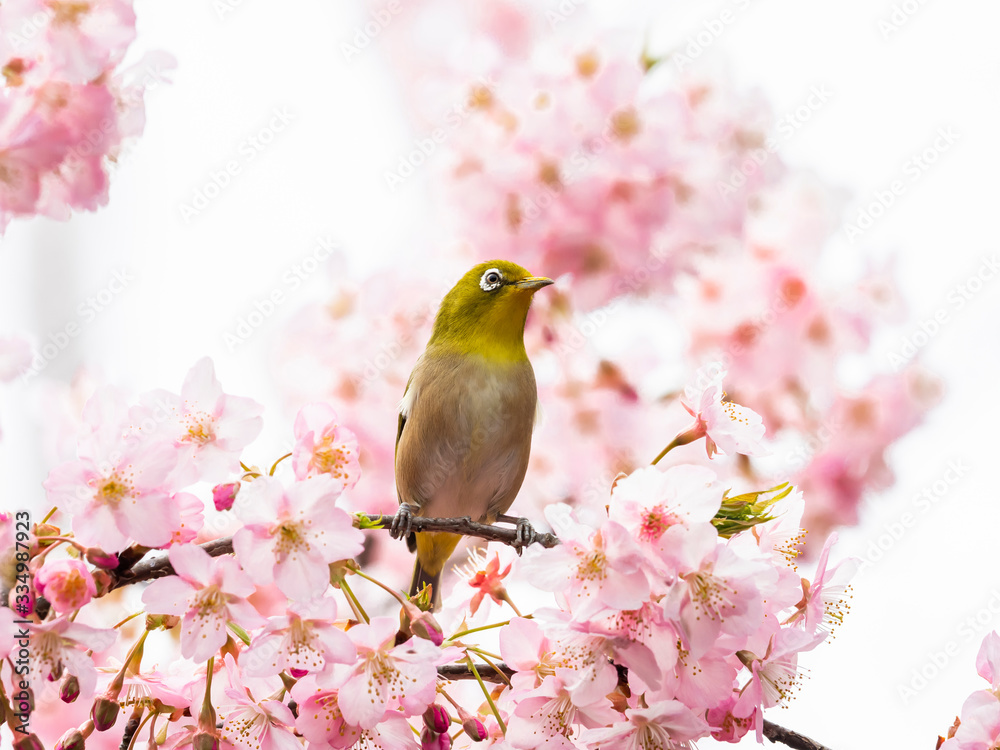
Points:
x=466, y=416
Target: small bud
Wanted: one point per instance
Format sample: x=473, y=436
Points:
x=205, y=741
x=223, y=495
x=430, y=740
x=436, y=717
x=423, y=624
x=72, y=740
x=475, y=729
x=100, y=558
x=298, y=674
x=29, y=742
x=70, y=689
x=104, y=713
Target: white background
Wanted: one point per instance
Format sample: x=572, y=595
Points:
x=323, y=176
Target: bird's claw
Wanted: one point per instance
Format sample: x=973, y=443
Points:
x=402, y=521
x=524, y=533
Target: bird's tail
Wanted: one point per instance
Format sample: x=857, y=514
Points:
x=433, y=550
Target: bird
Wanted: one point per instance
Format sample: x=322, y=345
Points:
x=465, y=421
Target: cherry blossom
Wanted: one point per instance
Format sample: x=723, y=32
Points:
x=292, y=533
x=118, y=483
x=385, y=676
x=666, y=724
x=66, y=584
x=594, y=567
x=208, y=428
x=58, y=647
x=727, y=427
x=254, y=725
x=305, y=640
x=323, y=446
x=208, y=592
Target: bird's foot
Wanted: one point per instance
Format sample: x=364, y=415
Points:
x=524, y=533
x=402, y=521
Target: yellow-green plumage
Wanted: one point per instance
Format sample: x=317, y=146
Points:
x=466, y=417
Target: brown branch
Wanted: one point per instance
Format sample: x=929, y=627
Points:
x=467, y=527
x=159, y=566
x=795, y=740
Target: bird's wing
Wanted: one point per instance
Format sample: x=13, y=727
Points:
x=405, y=404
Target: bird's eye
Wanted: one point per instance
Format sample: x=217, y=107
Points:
x=491, y=280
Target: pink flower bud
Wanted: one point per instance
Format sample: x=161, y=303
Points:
x=436, y=717
x=475, y=729
x=29, y=742
x=72, y=740
x=223, y=495
x=423, y=624
x=298, y=674
x=100, y=558
x=430, y=740
x=104, y=713
x=70, y=689
x=66, y=584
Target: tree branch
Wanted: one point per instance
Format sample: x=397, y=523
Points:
x=159, y=566
x=149, y=569
x=467, y=527
x=798, y=741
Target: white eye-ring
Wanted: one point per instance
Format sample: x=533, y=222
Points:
x=491, y=280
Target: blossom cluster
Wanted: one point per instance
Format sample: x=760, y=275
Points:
x=671, y=610
x=66, y=103
x=656, y=195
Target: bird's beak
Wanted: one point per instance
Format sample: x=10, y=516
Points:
x=533, y=283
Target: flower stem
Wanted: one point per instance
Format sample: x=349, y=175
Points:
x=381, y=585
x=489, y=698
x=275, y=464
x=353, y=601
x=688, y=436
x=476, y=630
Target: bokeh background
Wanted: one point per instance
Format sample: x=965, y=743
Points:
x=267, y=85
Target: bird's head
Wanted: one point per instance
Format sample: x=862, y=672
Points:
x=484, y=313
